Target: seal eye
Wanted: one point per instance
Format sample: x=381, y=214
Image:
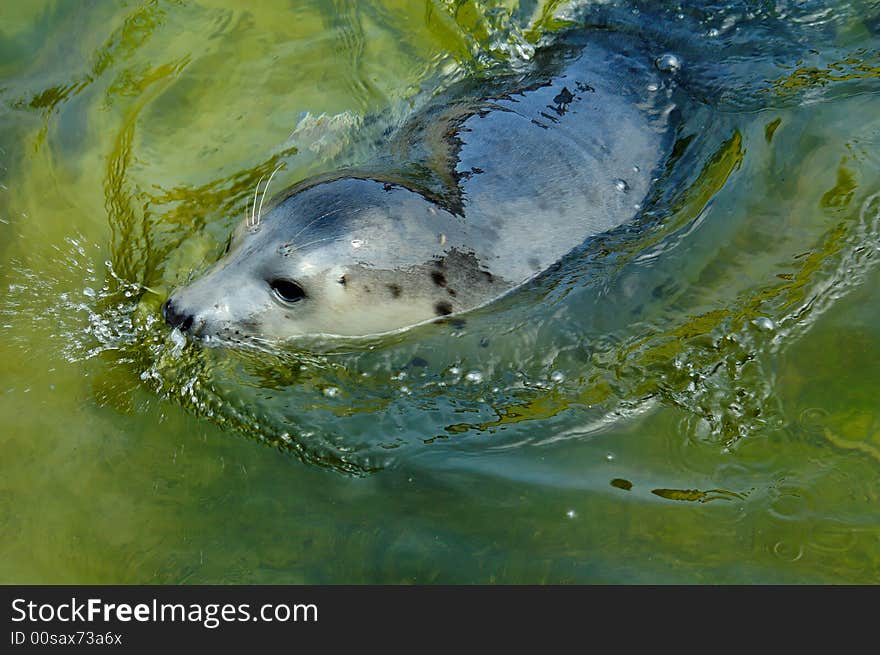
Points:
x=287, y=290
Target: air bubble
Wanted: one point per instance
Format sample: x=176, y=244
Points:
x=557, y=376
x=668, y=63
x=621, y=185
x=474, y=376
x=764, y=323
x=330, y=392
x=571, y=514
x=788, y=552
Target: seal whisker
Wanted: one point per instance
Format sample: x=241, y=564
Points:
x=311, y=243
x=324, y=215
x=265, y=189
x=252, y=222
x=315, y=220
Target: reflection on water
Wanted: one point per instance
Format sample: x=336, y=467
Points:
x=690, y=398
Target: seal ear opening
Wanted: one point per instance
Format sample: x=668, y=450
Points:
x=287, y=290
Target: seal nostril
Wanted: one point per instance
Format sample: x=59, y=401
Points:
x=175, y=318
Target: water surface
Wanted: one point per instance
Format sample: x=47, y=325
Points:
x=692, y=399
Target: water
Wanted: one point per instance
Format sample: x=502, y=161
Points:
x=690, y=399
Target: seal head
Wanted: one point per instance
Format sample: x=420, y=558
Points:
x=345, y=257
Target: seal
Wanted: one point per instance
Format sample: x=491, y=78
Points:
x=492, y=183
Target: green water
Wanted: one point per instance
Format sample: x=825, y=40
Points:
x=692, y=401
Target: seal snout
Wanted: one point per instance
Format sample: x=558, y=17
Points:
x=175, y=317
